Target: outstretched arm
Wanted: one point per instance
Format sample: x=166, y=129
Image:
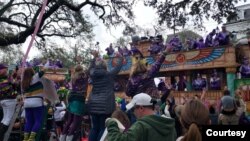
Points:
x=117, y=69
x=92, y=63
x=156, y=66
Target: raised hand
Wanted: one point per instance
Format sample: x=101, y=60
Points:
x=94, y=53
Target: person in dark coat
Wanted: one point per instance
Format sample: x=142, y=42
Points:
x=102, y=98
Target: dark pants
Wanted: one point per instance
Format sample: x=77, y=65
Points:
x=98, y=126
x=72, y=124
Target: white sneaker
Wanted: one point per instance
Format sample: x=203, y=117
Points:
x=69, y=138
x=62, y=138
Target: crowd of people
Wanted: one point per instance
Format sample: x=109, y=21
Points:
x=215, y=38
x=150, y=113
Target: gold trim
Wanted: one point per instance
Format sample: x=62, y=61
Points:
x=34, y=93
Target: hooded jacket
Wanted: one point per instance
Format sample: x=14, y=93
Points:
x=148, y=128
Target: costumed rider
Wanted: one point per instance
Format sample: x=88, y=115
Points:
x=76, y=103
x=215, y=81
x=245, y=68
x=8, y=94
x=199, y=83
x=36, y=88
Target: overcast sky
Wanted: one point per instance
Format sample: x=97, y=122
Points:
x=145, y=17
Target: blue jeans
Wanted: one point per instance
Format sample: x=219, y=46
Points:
x=98, y=126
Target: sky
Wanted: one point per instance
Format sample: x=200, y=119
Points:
x=144, y=17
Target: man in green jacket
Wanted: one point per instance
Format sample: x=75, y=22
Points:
x=148, y=127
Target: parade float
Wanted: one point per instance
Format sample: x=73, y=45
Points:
x=226, y=60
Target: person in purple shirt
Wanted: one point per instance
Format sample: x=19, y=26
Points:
x=215, y=81
x=76, y=103
x=199, y=83
x=201, y=43
x=245, y=68
x=209, y=39
x=223, y=37
x=176, y=44
x=142, y=80
x=110, y=51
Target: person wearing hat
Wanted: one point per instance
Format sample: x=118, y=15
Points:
x=148, y=127
x=227, y=114
x=8, y=94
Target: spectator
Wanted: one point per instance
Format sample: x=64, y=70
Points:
x=59, y=113
x=228, y=115
x=148, y=126
x=102, y=98
x=142, y=80
x=8, y=100
x=193, y=116
x=33, y=103
x=122, y=121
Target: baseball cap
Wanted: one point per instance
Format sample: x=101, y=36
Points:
x=141, y=99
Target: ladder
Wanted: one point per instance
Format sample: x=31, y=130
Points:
x=12, y=122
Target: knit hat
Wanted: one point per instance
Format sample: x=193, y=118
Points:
x=228, y=103
x=141, y=99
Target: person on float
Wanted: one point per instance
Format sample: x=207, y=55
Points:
x=245, y=68
x=215, y=81
x=199, y=83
